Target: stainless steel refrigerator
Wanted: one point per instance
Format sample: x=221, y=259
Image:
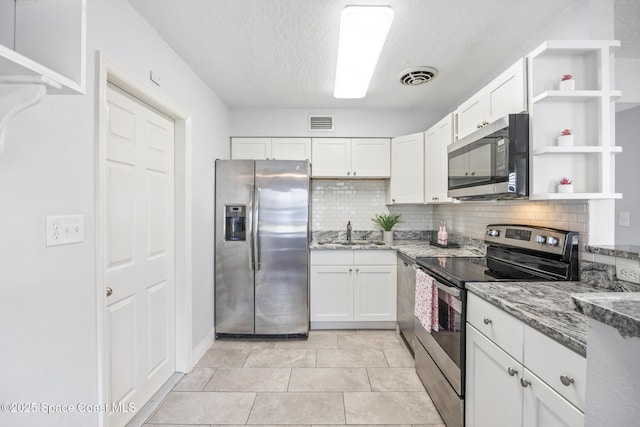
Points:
x=262, y=248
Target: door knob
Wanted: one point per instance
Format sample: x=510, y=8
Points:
x=511, y=371
x=525, y=383
x=109, y=292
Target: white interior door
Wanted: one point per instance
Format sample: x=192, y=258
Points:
x=139, y=253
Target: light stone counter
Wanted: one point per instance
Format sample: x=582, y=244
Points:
x=410, y=248
x=620, y=310
x=545, y=306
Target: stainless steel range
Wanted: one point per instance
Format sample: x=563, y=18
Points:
x=514, y=253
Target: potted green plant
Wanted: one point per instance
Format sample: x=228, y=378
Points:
x=386, y=222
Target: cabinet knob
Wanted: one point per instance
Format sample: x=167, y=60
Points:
x=350, y=270
x=393, y=200
x=487, y=321
x=512, y=371
x=354, y=174
x=357, y=270
x=109, y=291
x=566, y=380
x=478, y=126
x=525, y=383
x=348, y=173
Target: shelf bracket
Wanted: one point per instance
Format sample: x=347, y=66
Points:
x=17, y=93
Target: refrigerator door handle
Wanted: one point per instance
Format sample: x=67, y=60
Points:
x=252, y=260
x=256, y=226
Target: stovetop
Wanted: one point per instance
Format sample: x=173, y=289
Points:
x=460, y=270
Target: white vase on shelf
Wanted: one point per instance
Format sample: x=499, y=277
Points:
x=387, y=236
x=565, y=188
x=569, y=84
x=565, y=141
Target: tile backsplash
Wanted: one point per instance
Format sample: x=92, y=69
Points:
x=335, y=202
x=469, y=219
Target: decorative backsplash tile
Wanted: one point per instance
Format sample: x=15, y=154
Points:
x=335, y=202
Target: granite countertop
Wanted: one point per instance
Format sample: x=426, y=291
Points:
x=545, y=306
x=620, y=251
x=620, y=310
x=410, y=248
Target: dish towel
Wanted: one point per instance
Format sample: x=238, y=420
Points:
x=426, y=307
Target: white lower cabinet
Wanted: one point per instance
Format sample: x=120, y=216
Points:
x=352, y=286
x=493, y=396
x=543, y=407
x=516, y=376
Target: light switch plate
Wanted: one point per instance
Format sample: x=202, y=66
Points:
x=64, y=229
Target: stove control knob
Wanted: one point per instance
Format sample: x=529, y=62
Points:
x=541, y=239
x=493, y=233
x=552, y=241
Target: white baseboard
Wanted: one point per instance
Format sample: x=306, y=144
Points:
x=202, y=347
x=353, y=325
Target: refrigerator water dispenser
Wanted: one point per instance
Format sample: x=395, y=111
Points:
x=235, y=223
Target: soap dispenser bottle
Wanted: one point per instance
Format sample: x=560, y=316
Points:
x=445, y=235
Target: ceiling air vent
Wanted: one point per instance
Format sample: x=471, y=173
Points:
x=321, y=123
x=418, y=75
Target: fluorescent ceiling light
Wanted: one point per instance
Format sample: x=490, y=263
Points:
x=363, y=31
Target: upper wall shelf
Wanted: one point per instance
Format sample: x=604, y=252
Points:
x=47, y=54
x=587, y=109
x=49, y=41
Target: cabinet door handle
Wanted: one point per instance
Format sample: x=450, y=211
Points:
x=511, y=371
x=357, y=270
x=350, y=270
x=487, y=321
x=566, y=380
x=348, y=173
x=354, y=174
x=525, y=383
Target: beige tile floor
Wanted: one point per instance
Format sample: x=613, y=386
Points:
x=353, y=377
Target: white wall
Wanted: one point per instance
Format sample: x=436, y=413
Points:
x=612, y=377
x=628, y=175
x=347, y=123
x=48, y=342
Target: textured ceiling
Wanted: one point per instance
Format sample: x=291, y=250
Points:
x=281, y=53
x=627, y=27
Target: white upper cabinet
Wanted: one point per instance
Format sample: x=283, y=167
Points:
x=506, y=94
x=271, y=148
x=44, y=39
x=371, y=157
x=436, y=169
x=407, y=169
x=587, y=110
x=350, y=158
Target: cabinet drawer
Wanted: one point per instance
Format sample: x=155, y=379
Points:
x=374, y=257
x=331, y=257
x=500, y=327
x=551, y=360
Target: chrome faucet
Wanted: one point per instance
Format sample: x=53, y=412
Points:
x=349, y=231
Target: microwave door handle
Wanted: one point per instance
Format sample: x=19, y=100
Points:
x=451, y=290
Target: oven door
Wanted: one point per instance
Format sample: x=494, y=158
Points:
x=446, y=345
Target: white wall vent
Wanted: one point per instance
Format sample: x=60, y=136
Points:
x=321, y=123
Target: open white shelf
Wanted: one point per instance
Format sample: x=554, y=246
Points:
x=49, y=40
x=575, y=149
x=588, y=111
x=574, y=196
x=575, y=95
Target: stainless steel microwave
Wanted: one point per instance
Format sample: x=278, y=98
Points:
x=492, y=162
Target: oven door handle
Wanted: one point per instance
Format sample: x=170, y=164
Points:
x=451, y=290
